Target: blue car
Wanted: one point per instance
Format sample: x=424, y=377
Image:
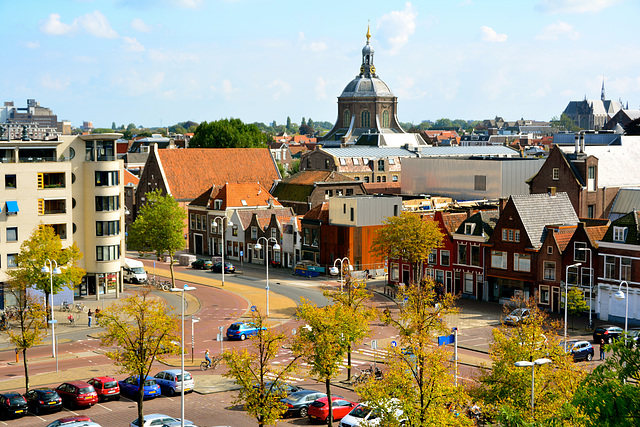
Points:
x=130, y=387
x=580, y=350
x=242, y=330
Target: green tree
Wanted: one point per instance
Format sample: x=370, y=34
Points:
x=289, y=126
x=564, y=123
x=576, y=304
x=261, y=383
x=407, y=237
x=506, y=389
x=138, y=330
x=294, y=167
x=132, y=127
x=44, y=244
x=159, y=227
x=228, y=133
x=609, y=395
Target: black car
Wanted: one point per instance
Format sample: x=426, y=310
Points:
x=228, y=267
x=298, y=402
x=285, y=387
x=43, y=400
x=633, y=339
x=608, y=333
x=12, y=404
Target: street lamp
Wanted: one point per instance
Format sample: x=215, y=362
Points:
x=183, y=290
x=349, y=266
x=566, y=300
x=276, y=247
x=51, y=270
x=620, y=296
x=590, y=283
x=215, y=224
x=525, y=364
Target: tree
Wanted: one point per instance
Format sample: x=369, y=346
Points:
x=159, y=227
x=418, y=379
x=289, y=127
x=252, y=370
x=228, y=133
x=44, y=244
x=113, y=125
x=139, y=330
x=606, y=397
x=132, y=127
x=576, y=304
x=294, y=167
x=325, y=339
x=564, y=123
x=506, y=389
x=407, y=237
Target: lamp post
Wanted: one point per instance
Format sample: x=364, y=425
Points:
x=620, y=296
x=276, y=247
x=566, y=300
x=229, y=223
x=183, y=290
x=349, y=266
x=525, y=364
x=590, y=283
x=52, y=270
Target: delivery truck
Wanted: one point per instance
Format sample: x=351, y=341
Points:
x=134, y=271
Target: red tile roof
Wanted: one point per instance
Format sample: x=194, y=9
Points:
x=563, y=236
x=311, y=177
x=189, y=172
x=453, y=220
x=242, y=194
x=320, y=212
x=596, y=233
x=129, y=178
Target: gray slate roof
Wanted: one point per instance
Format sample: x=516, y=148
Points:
x=539, y=210
x=369, y=151
x=468, y=151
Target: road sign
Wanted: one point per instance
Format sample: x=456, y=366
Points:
x=374, y=344
x=221, y=328
x=219, y=337
x=241, y=253
x=394, y=344
x=253, y=308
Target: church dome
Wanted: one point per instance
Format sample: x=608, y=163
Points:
x=366, y=86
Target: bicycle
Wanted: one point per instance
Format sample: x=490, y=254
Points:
x=163, y=286
x=80, y=307
x=204, y=365
x=65, y=306
x=361, y=377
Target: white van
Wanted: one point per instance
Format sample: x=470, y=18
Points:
x=133, y=271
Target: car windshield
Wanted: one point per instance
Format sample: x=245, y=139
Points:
x=360, y=411
x=601, y=329
x=149, y=383
x=138, y=270
x=87, y=390
x=17, y=399
x=187, y=377
x=110, y=384
x=517, y=312
x=318, y=404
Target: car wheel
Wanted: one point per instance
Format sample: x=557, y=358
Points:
x=243, y=337
x=172, y=392
x=303, y=412
x=37, y=410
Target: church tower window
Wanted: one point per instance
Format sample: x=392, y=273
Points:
x=385, y=119
x=365, y=120
x=346, y=118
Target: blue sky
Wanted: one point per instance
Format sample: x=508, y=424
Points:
x=159, y=62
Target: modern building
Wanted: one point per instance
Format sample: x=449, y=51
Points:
x=33, y=122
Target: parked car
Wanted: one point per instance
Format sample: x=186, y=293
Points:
x=77, y=393
x=130, y=385
x=285, y=387
x=43, y=400
x=319, y=409
x=580, y=350
x=158, y=420
x=517, y=316
x=202, y=264
x=12, y=404
x=81, y=424
x=242, y=330
x=170, y=381
x=70, y=420
x=362, y=414
x=608, y=333
x=106, y=387
x=298, y=402
x=228, y=267
x=634, y=336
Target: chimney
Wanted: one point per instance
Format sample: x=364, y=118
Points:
x=501, y=204
x=577, y=141
x=582, y=138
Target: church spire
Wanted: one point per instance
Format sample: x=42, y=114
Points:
x=602, y=97
x=367, y=68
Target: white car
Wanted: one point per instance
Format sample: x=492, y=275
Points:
x=517, y=316
x=157, y=420
x=363, y=415
x=170, y=381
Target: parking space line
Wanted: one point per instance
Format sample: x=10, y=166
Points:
x=102, y=406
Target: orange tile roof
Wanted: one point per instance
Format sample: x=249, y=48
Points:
x=189, y=172
x=317, y=212
x=453, y=220
x=129, y=178
x=311, y=177
x=382, y=187
x=596, y=233
x=263, y=216
x=233, y=195
x=563, y=237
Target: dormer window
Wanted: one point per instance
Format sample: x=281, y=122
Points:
x=556, y=174
x=217, y=204
x=468, y=228
x=619, y=234
x=356, y=161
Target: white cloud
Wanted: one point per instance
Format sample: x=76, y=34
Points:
x=407, y=88
x=321, y=88
x=301, y=36
x=575, y=6
x=280, y=88
x=135, y=84
x=94, y=23
x=32, y=45
x=490, y=35
x=139, y=25
x=558, y=29
x=131, y=44
x=396, y=27
x=59, y=83
x=54, y=27
x=188, y=4
x=316, y=47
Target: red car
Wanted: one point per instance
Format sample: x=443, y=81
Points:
x=69, y=420
x=319, y=409
x=77, y=393
x=106, y=387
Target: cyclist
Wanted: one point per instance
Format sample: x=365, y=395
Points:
x=207, y=358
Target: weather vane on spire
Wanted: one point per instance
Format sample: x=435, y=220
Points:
x=368, y=32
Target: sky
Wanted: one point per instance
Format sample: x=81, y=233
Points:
x=161, y=62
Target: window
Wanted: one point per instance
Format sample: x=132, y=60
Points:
x=51, y=180
x=572, y=277
x=346, y=119
x=394, y=178
x=556, y=174
x=580, y=251
x=439, y=276
x=12, y=261
x=198, y=222
x=234, y=231
x=499, y=259
x=509, y=235
x=356, y=161
x=107, y=228
x=107, y=253
x=462, y=253
x=308, y=163
x=192, y=221
x=385, y=119
x=391, y=161
x=550, y=250
x=352, y=214
x=107, y=203
x=365, y=119
x=47, y=206
x=625, y=268
x=343, y=161
x=475, y=256
x=433, y=256
x=395, y=272
x=217, y=204
x=327, y=164
x=349, y=192
x=468, y=228
x=549, y=270
x=307, y=237
x=544, y=295
x=619, y=234
x=328, y=193
x=10, y=181
x=468, y=283
x=381, y=165
x=609, y=267
x=591, y=211
x=586, y=278
x=378, y=178
x=444, y=258
x=522, y=262
x=12, y=234
x=366, y=179
x=384, y=178
x=480, y=182
x=107, y=178
x=591, y=180
x=254, y=233
x=274, y=233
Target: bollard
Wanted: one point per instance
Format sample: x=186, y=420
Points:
x=17, y=355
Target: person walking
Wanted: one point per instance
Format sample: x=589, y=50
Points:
x=602, y=355
x=89, y=317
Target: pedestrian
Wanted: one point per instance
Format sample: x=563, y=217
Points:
x=89, y=316
x=602, y=355
x=71, y=320
x=97, y=316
